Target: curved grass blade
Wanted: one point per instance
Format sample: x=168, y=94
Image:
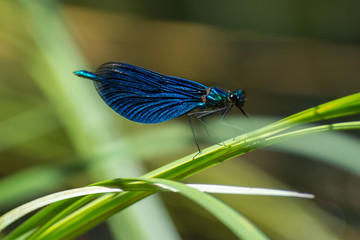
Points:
x=237, y=223
x=26, y=208
x=112, y=186
x=231, y=218
x=106, y=206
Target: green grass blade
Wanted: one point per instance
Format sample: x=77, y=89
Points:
x=120, y=185
x=311, y=130
x=102, y=208
x=232, y=219
x=15, y=214
x=237, y=223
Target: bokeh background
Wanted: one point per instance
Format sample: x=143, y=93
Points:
x=56, y=133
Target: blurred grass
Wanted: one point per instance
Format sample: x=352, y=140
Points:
x=312, y=19
x=88, y=126
x=283, y=74
x=26, y=126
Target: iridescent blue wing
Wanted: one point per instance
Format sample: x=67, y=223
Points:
x=145, y=96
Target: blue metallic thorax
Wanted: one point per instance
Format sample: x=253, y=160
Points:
x=214, y=98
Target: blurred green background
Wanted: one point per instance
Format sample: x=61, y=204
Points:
x=56, y=133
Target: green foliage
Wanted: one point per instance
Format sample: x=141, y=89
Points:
x=76, y=217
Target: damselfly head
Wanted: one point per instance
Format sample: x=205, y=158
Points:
x=238, y=97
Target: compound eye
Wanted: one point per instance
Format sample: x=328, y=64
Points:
x=232, y=97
